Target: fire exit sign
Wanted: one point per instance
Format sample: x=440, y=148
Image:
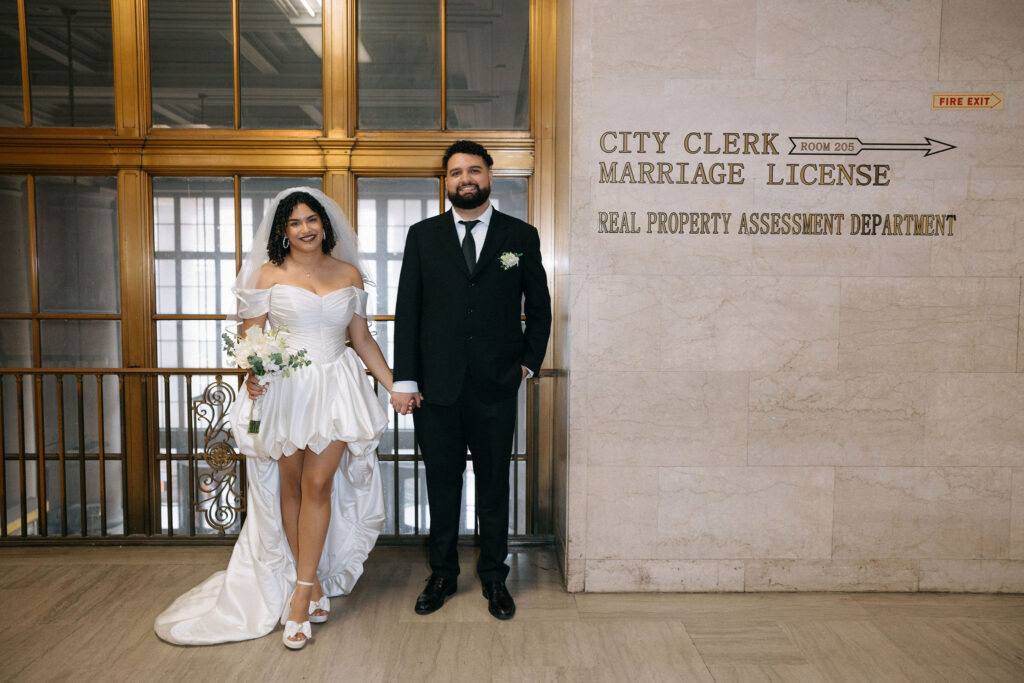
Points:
x=968, y=100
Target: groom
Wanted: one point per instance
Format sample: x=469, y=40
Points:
x=461, y=353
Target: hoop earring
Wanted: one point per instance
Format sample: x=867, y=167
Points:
x=286, y=243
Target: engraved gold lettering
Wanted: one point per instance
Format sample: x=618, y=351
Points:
x=603, y=136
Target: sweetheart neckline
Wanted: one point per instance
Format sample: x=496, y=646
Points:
x=309, y=291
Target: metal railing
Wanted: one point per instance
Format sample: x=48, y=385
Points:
x=146, y=455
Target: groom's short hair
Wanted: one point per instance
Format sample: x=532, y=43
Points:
x=466, y=147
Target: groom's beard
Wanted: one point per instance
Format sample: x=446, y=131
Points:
x=470, y=201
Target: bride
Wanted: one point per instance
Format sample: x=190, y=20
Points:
x=315, y=504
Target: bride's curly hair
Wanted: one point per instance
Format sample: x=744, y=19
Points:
x=276, y=250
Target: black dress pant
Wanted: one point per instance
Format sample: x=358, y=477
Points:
x=444, y=432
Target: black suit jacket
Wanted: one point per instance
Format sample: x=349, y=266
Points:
x=454, y=327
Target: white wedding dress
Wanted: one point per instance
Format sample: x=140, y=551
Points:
x=329, y=400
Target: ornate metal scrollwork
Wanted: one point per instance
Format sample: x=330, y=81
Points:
x=218, y=491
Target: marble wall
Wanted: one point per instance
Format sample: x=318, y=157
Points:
x=769, y=412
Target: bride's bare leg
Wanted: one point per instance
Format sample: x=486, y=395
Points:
x=314, y=516
x=290, y=469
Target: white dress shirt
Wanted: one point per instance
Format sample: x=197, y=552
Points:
x=479, y=230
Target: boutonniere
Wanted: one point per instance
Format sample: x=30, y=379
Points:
x=509, y=260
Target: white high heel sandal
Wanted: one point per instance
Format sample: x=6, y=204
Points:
x=294, y=628
x=324, y=603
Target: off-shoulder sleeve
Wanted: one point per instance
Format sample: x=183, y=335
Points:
x=361, y=299
x=252, y=303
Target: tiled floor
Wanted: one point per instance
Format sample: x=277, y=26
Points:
x=85, y=614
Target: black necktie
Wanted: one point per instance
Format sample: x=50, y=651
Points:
x=469, y=244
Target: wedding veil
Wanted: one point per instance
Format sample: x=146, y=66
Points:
x=345, y=248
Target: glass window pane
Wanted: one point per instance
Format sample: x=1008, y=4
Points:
x=15, y=344
x=80, y=343
x=399, y=54
x=191, y=63
x=257, y=194
x=488, y=55
x=281, y=64
x=70, y=61
x=12, y=112
x=508, y=195
x=15, y=279
x=194, y=239
x=386, y=207
x=192, y=343
x=76, y=235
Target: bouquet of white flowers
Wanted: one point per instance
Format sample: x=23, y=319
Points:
x=266, y=354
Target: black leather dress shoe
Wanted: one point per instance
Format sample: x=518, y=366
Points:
x=433, y=596
x=499, y=603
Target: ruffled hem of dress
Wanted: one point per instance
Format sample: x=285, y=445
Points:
x=317, y=405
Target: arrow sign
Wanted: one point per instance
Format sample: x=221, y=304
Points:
x=854, y=146
x=968, y=100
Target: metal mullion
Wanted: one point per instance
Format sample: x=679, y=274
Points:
x=124, y=457
x=144, y=66
x=241, y=465
x=33, y=267
x=217, y=251
x=243, y=476
x=178, y=280
x=40, y=455
x=515, y=475
x=415, y=482
x=381, y=249
x=394, y=454
x=476, y=499
x=54, y=457
x=238, y=223
x=151, y=392
x=102, y=454
x=26, y=89
x=192, y=496
x=531, y=456
x=170, y=460
x=186, y=254
x=3, y=467
x=533, y=53
x=236, y=33
x=62, y=475
x=535, y=483
x=444, y=67
x=77, y=316
x=19, y=395
x=82, y=501
x=352, y=77
x=189, y=316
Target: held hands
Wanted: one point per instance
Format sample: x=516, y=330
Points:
x=405, y=403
